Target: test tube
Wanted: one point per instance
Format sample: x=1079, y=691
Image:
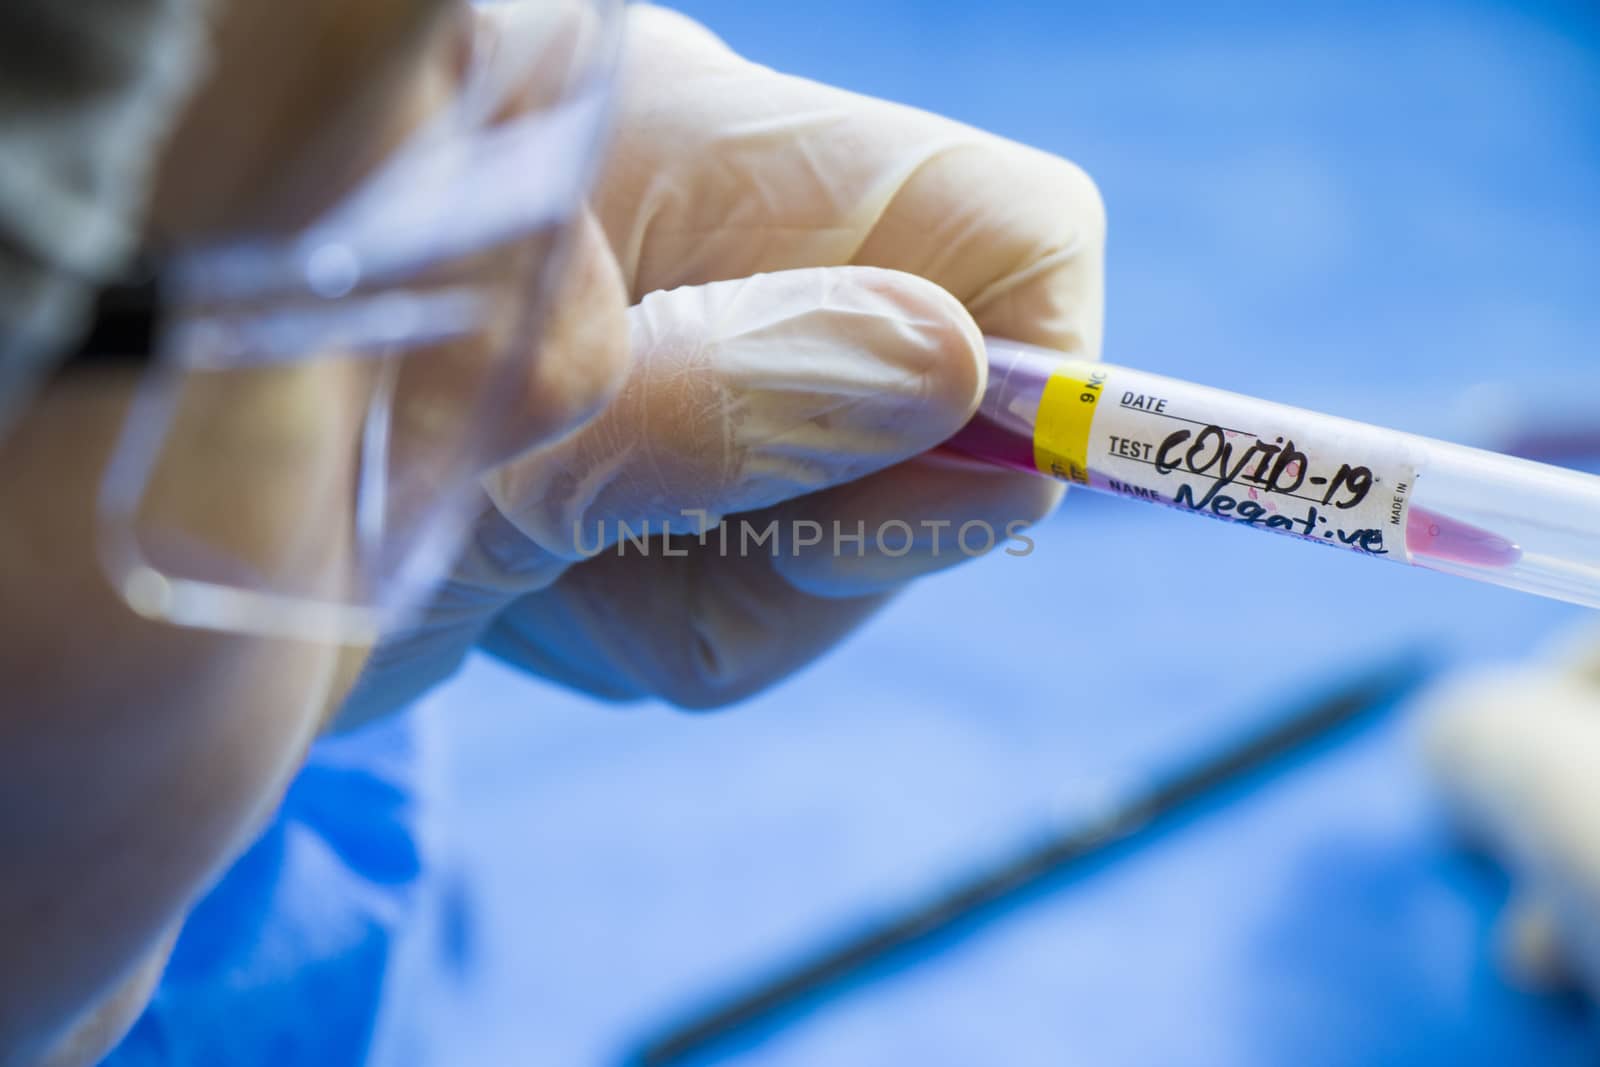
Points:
x=1326, y=480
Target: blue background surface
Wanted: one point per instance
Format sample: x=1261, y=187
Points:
x=1385, y=210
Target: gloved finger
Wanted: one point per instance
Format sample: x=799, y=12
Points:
x=1577, y=654
x=1484, y=786
x=701, y=630
x=722, y=168
x=746, y=393
x=1515, y=753
x=921, y=516
x=581, y=360
x=1530, y=942
x=583, y=355
x=551, y=342
x=538, y=52
x=520, y=385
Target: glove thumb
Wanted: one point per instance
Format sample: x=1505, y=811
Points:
x=1530, y=942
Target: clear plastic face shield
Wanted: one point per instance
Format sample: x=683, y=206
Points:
x=303, y=459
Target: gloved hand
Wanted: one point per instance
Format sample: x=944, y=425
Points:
x=1517, y=752
x=811, y=270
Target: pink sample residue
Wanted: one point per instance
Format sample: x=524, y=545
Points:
x=983, y=439
x=1441, y=537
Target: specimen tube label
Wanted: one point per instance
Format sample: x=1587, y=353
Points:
x=1226, y=456
x=1066, y=419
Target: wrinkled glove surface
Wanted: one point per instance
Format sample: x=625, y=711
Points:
x=1516, y=751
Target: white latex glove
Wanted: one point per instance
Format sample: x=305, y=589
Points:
x=1517, y=752
x=812, y=269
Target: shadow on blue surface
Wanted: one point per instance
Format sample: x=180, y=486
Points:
x=1206, y=783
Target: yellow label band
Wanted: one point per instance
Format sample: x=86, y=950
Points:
x=1066, y=415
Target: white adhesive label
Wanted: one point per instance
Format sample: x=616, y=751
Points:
x=1226, y=456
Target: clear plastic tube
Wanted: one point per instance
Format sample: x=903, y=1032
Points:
x=1332, y=481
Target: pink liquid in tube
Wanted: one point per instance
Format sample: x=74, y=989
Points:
x=1441, y=537
x=1344, y=484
